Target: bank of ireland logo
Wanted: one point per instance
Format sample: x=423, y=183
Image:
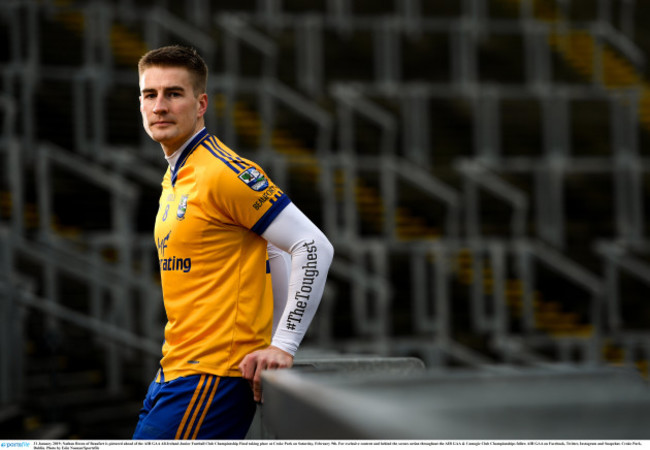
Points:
x=182, y=208
x=254, y=179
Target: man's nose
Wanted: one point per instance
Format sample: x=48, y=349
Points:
x=160, y=106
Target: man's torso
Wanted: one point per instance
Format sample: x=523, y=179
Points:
x=214, y=268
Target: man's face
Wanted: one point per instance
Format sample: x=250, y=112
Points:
x=171, y=113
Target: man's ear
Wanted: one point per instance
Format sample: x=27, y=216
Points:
x=203, y=104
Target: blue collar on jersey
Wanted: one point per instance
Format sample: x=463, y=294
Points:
x=186, y=153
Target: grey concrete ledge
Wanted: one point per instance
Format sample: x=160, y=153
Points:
x=359, y=364
x=330, y=366
x=530, y=404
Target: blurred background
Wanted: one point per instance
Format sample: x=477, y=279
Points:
x=481, y=167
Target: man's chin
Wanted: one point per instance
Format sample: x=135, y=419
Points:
x=160, y=137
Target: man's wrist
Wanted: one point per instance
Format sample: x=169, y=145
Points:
x=285, y=348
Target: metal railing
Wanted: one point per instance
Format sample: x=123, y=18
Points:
x=366, y=268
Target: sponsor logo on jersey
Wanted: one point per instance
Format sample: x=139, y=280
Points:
x=264, y=198
x=172, y=263
x=162, y=244
x=182, y=208
x=175, y=264
x=254, y=179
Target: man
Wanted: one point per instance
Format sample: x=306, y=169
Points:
x=217, y=216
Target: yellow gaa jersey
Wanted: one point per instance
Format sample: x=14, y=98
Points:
x=213, y=263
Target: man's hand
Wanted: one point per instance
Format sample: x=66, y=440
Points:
x=254, y=363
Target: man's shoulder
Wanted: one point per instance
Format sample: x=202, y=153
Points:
x=218, y=159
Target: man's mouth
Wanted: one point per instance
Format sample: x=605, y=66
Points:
x=161, y=123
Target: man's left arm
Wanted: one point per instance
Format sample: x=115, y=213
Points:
x=311, y=256
x=280, y=264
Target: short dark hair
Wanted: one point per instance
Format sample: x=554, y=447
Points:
x=178, y=56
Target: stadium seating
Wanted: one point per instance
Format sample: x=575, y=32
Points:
x=479, y=166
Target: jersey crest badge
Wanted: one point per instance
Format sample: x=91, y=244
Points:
x=254, y=179
x=182, y=208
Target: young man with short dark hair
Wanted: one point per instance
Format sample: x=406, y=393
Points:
x=222, y=231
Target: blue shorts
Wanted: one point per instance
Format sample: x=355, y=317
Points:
x=197, y=407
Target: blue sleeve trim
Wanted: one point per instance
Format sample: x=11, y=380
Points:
x=268, y=217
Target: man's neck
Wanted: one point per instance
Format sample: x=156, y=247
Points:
x=172, y=157
x=170, y=150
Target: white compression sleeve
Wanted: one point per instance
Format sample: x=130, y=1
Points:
x=280, y=263
x=311, y=256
